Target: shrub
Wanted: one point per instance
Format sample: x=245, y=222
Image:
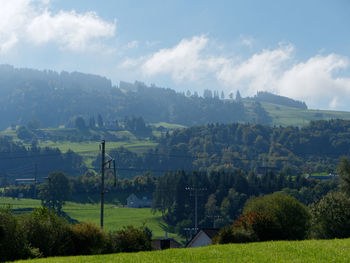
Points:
x=13, y=244
x=89, y=239
x=277, y=217
x=229, y=234
x=49, y=233
x=331, y=216
x=262, y=224
x=130, y=239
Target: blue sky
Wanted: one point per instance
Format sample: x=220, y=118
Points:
x=299, y=49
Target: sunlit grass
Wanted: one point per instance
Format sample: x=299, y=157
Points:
x=115, y=217
x=313, y=251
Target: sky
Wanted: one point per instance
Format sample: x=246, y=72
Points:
x=294, y=48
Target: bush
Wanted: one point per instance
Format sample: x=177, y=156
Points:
x=130, y=239
x=331, y=216
x=229, y=234
x=13, y=244
x=89, y=239
x=262, y=224
x=277, y=217
x=49, y=233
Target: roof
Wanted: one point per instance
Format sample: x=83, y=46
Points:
x=156, y=243
x=210, y=232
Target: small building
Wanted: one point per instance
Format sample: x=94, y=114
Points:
x=134, y=202
x=160, y=244
x=203, y=238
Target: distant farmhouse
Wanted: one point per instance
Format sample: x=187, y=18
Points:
x=160, y=244
x=203, y=237
x=134, y=202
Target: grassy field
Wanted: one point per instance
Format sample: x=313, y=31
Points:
x=314, y=251
x=114, y=217
x=89, y=150
x=286, y=116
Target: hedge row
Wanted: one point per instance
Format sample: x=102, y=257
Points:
x=44, y=234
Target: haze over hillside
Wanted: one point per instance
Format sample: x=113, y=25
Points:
x=56, y=99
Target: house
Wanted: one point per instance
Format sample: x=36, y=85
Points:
x=134, y=202
x=160, y=244
x=203, y=237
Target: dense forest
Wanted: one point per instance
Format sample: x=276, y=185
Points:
x=253, y=147
x=213, y=147
x=56, y=99
x=221, y=196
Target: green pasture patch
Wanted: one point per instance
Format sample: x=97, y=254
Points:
x=168, y=125
x=115, y=216
x=289, y=116
x=22, y=203
x=93, y=148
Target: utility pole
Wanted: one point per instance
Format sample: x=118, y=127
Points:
x=35, y=178
x=214, y=219
x=195, y=191
x=102, y=180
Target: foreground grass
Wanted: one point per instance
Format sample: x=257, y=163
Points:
x=114, y=217
x=282, y=251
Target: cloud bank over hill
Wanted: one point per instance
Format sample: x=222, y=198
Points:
x=47, y=34
x=315, y=80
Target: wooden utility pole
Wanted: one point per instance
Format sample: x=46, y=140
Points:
x=197, y=191
x=102, y=180
x=35, y=178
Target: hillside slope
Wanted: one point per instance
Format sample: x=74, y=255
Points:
x=56, y=99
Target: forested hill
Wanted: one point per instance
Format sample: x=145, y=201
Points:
x=56, y=99
x=315, y=148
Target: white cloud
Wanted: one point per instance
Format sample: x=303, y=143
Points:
x=132, y=44
x=132, y=62
x=31, y=21
x=260, y=72
x=184, y=61
x=317, y=81
x=314, y=81
x=247, y=41
x=152, y=43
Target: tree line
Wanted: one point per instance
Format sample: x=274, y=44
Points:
x=314, y=148
x=56, y=99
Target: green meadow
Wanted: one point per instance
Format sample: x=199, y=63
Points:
x=314, y=251
x=115, y=217
x=89, y=149
x=288, y=116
